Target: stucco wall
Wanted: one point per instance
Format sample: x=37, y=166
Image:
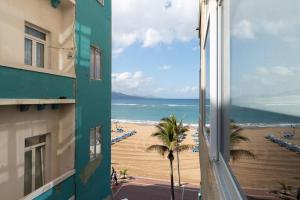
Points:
x=57, y=22
x=93, y=99
x=15, y=126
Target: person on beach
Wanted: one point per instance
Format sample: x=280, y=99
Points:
x=113, y=176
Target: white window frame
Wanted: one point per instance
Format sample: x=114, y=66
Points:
x=33, y=149
x=211, y=28
x=97, y=142
x=93, y=66
x=34, y=41
x=218, y=17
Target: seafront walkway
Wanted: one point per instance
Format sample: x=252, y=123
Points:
x=140, y=188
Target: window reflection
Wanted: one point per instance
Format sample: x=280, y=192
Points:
x=265, y=96
x=207, y=84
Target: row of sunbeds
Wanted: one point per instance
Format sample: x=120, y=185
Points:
x=284, y=143
x=196, y=140
x=122, y=137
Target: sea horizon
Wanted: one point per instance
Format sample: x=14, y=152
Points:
x=151, y=110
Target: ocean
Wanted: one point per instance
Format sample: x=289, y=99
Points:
x=147, y=110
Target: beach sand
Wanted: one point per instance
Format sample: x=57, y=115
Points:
x=273, y=163
x=131, y=154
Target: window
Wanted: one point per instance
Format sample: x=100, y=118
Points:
x=207, y=85
x=35, y=41
x=264, y=96
x=101, y=2
x=95, y=63
x=95, y=142
x=34, y=163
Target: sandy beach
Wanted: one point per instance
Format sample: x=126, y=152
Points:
x=273, y=164
x=131, y=154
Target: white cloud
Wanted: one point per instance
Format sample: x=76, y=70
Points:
x=165, y=67
x=152, y=37
x=188, y=90
x=243, y=30
x=159, y=90
x=149, y=23
x=130, y=83
x=269, y=81
x=281, y=20
x=117, y=51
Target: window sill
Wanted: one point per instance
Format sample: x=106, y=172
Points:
x=42, y=70
x=49, y=185
x=35, y=101
x=228, y=186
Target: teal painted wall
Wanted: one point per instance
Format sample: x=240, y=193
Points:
x=63, y=191
x=93, y=27
x=22, y=84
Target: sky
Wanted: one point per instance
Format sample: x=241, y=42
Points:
x=265, y=65
x=155, y=48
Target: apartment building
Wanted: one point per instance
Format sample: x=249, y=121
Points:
x=55, y=73
x=249, y=88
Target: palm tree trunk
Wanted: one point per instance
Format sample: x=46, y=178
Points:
x=178, y=170
x=172, y=180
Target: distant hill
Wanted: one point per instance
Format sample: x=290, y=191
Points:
x=119, y=95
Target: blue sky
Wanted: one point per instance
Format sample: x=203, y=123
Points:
x=155, y=48
x=265, y=43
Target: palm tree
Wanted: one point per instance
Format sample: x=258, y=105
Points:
x=235, y=138
x=124, y=173
x=168, y=135
x=180, y=130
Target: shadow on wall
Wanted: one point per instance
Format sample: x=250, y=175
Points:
x=15, y=126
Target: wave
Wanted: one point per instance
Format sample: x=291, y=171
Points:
x=134, y=121
x=179, y=105
x=195, y=125
x=125, y=104
x=270, y=125
x=150, y=122
x=152, y=105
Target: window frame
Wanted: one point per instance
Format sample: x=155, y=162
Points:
x=33, y=149
x=217, y=20
x=34, y=41
x=93, y=134
x=93, y=67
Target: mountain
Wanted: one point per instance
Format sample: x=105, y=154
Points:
x=119, y=95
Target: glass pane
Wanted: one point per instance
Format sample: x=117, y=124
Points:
x=92, y=143
x=35, y=33
x=39, y=55
x=207, y=84
x=98, y=65
x=265, y=96
x=35, y=140
x=39, y=164
x=28, y=173
x=98, y=141
x=28, y=52
x=92, y=63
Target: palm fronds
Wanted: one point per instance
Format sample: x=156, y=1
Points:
x=183, y=147
x=236, y=154
x=161, y=149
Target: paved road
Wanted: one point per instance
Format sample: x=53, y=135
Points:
x=151, y=189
